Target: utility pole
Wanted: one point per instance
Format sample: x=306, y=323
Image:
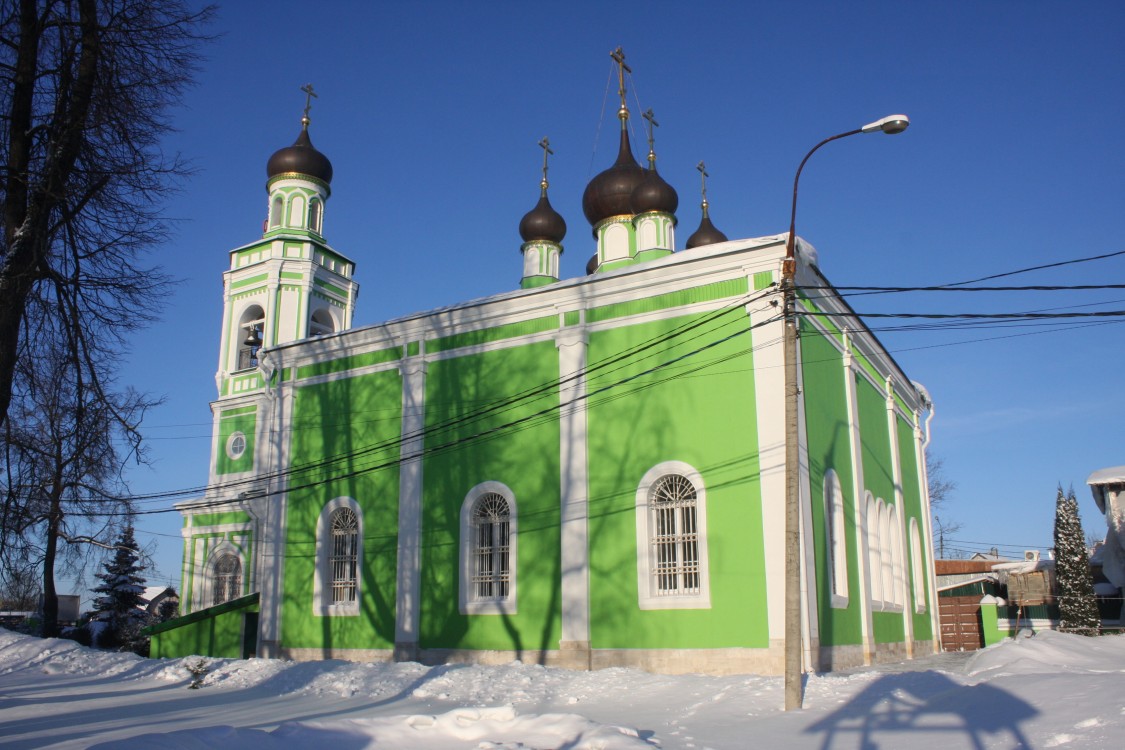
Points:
x=891, y=125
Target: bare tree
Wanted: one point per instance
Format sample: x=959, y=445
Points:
x=65, y=447
x=941, y=492
x=86, y=87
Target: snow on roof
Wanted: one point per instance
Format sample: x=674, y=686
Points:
x=1102, y=477
x=1024, y=566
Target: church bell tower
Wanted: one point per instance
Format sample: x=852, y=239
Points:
x=290, y=284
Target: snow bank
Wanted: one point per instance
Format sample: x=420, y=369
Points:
x=498, y=728
x=65, y=696
x=1048, y=652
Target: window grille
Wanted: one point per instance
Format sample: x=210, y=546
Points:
x=675, y=537
x=344, y=559
x=228, y=579
x=492, y=573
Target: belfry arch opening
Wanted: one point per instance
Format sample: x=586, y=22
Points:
x=250, y=335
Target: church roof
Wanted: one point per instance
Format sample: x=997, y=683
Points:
x=301, y=158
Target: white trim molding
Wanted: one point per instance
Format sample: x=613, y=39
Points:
x=647, y=565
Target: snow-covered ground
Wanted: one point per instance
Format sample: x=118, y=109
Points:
x=1050, y=690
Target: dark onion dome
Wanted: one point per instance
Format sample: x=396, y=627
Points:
x=654, y=194
x=301, y=158
x=543, y=222
x=707, y=234
x=610, y=192
x=592, y=264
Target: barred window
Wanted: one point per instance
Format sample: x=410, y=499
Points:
x=337, y=585
x=345, y=555
x=675, y=537
x=227, y=577
x=487, y=560
x=672, y=539
x=492, y=548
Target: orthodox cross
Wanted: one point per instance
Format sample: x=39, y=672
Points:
x=703, y=176
x=619, y=57
x=652, y=123
x=546, y=146
x=309, y=96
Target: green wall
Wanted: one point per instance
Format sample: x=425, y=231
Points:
x=236, y=420
x=346, y=433
x=493, y=417
x=829, y=445
x=683, y=405
x=219, y=633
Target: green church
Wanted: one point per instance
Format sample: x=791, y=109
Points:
x=584, y=472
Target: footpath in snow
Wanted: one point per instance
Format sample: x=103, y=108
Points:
x=1050, y=690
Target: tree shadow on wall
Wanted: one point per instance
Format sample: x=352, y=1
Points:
x=895, y=707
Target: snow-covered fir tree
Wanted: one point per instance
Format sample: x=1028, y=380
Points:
x=120, y=606
x=1078, y=610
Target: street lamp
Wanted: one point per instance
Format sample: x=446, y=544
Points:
x=891, y=125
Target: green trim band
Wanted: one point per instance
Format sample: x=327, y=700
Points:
x=203, y=614
x=704, y=293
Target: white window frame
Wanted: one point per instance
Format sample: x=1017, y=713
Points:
x=236, y=445
x=323, y=605
x=647, y=596
x=837, y=548
x=884, y=554
x=221, y=550
x=468, y=602
x=917, y=574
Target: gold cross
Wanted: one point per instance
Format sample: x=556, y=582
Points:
x=309, y=95
x=703, y=175
x=546, y=146
x=619, y=57
x=652, y=123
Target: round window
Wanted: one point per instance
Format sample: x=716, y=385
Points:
x=236, y=445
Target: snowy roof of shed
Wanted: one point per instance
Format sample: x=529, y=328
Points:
x=1102, y=477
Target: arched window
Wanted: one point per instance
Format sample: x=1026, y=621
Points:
x=917, y=574
x=249, y=337
x=345, y=554
x=297, y=215
x=672, y=539
x=277, y=210
x=874, y=550
x=314, y=215
x=488, y=550
x=836, y=542
x=226, y=578
x=321, y=323
x=337, y=584
x=492, y=569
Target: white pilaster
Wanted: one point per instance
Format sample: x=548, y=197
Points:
x=859, y=502
x=927, y=533
x=573, y=488
x=900, y=542
x=278, y=411
x=769, y=402
x=409, y=584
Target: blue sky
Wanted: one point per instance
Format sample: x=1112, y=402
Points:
x=430, y=113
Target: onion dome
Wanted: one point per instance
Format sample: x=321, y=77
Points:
x=301, y=158
x=543, y=222
x=707, y=234
x=592, y=264
x=610, y=192
x=654, y=194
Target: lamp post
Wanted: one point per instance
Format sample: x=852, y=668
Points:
x=891, y=125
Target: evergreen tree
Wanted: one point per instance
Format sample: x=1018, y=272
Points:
x=120, y=605
x=1078, y=610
